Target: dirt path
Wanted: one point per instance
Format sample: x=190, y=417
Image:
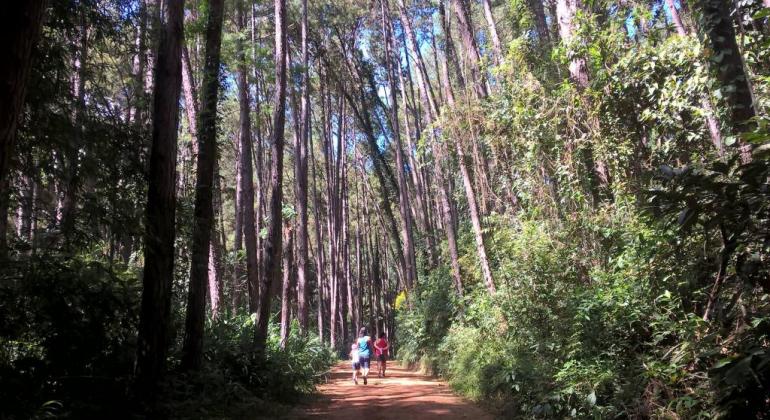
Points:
x=403, y=394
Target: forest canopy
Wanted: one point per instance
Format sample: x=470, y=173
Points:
x=558, y=206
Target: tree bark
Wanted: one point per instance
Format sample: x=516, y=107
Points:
x=190, y=97
x=731, y=73
x=300, y=149
x=216, y=250
x=475, y=220
x=161, y=203
x=541, y=25
x=496, y=44
x=286, y=286
x=192, y=351
x=272, y=271
x=422, y=73
x=65, y=213
x=246, y=201
x=403, y=191
x=470, y=47
x=320, y=262
x=566, y=11
x=21, y=22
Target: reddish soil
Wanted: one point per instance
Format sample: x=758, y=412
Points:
x=402, y=394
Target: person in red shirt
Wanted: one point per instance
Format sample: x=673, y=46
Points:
x=381, y=350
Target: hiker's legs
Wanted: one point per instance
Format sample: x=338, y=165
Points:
x=365, y=368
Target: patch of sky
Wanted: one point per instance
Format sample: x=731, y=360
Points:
x=658, y=6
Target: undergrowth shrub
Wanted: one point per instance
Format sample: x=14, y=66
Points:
x=68, y=344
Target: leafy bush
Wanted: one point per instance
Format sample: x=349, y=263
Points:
x=67, y=348
x=67, y=336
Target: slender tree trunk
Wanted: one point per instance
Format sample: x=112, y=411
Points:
x=351, y=308
x=22, y=21
x=541, y=25
x=66, y=209
x=449, y=57
x=216, y=250
x=272, y=271
x=137, y=104
x=161, y=203
x=403, y=191
x=475, y=220
x=286, y=286
x=192, y=351
x=422, y=73
x=190, y=97
x=26, y=201
x=237, y=291
x=496, y=45
x=300, y=149
x=471, y=50
x=320, y=262
x=246, y=200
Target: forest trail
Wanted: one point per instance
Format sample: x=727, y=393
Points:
x=402, y=394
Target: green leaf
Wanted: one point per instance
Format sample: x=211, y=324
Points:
x=722, y=363
x=762, y=13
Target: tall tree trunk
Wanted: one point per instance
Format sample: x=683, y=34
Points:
x=403, y=191
x=272, y=271
x=190, y=97
x=286, y=285
x=449, y=57
x=445, y=195
x=320, y=262
x=448, y=217
x=413, y=47
x=351, y=308
x=246, y=200
x=65, y=213
x=471, y=50
x=161, y=203
x=730, y=70
x=24, y=213
x=300, y=149
x=541, y=25
x=566, y=11
x=216, y=250
x=21, y=21
x=154, y=10
x=135, y=111
x=475, y=220
x=192, y=351
x=496, y=45
x=237, y=291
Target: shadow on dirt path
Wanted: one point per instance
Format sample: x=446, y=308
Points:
x=403, y=394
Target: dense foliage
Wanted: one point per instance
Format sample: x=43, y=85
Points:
x=646, y=296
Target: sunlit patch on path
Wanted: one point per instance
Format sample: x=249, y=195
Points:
x=403, y=394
